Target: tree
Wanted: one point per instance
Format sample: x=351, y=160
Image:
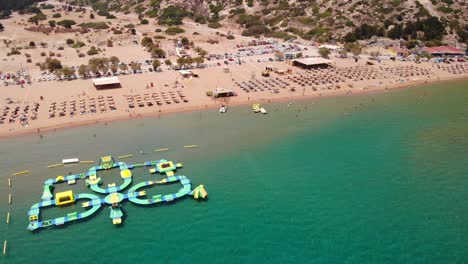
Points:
x=101, y=64
x=144, y=22
x=114, y=60
x=396, y=32
x=147, y=42
x=53, y=64
x=58, y=73
x=70, y=41
x=168, y=62
x=110, y=43
x=68, y=72
x=37, y=17
x=181, y=61
x=83, y=70
x=198, y=60
x=52, y=23
x=189, y=61
x=2, y=27
x=67, y=23
x=158, y=53
x=32, y=44
x=185, y=41
x=42, y=66
x=433, y=28
x=135, y=66
x=299, y=55
x=203, y=53
x=324, y=52
x=123, y=67
x=94, y=68
x=92, y=51
x=91, y=16
x=114, y=68
x=133, y=31
x=156, y=64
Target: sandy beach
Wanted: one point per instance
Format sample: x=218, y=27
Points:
x=194, y=90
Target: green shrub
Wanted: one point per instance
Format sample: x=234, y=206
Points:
x=92, y=51
x=174, y=30
x=67, y=23
x=78, y=45
x=215, y=25
x=95, y=25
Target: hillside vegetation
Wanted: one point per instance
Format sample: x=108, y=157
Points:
x=433, y=21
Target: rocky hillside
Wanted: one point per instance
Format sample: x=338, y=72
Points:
x=432, y=21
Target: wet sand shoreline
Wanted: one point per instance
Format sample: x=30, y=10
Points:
x=216, y=104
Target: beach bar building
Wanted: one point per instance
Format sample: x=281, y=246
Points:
x=442, y=51
x=310, y=63
x=223, y=92
x=107, y=83
x=186, y=73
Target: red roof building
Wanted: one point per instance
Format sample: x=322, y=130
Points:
x=444, y=51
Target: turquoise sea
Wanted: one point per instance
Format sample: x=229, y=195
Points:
x=379, y=178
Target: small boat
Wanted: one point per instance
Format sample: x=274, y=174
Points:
x=263, y=111
x=256, y=108
x=223, y=109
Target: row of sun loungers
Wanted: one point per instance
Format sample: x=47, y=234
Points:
x=456, y=69
x=408, y=71
x=151, y=99
x=82, y=106
x=23, y=113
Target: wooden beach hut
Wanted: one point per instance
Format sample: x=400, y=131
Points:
x=310, y=63
x=106, y=83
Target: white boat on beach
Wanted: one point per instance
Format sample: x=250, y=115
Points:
x=263, y=111
x=223, y=109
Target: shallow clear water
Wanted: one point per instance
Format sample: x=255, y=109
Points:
x=376, y=178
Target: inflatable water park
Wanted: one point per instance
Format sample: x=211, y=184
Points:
x=114, y=195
